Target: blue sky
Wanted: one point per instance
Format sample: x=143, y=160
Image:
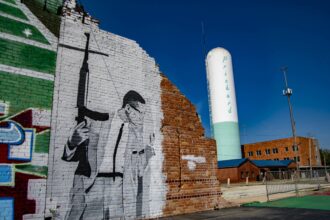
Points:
x=261, y=35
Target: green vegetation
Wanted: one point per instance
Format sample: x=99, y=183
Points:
x=27, y=56
x=325, y=154
x=38, y=170
x=305, y=202
x=13, y=11
x=42, y=142
x=24, y=92
x=17, y=28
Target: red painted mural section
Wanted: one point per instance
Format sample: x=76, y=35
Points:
x=19, y=192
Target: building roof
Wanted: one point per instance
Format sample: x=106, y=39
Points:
x=259, y=163
x=272, y=163
x=231, y=163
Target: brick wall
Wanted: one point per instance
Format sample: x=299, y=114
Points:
x=27, y=67
x=190, y=161
x=148, y=158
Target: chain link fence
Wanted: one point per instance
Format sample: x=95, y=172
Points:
x=294, y=181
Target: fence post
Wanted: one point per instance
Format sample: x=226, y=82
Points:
x=266, y=186
x=318, y=180
x=295, y=183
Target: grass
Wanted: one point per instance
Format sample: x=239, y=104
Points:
x=17, y=28
x=319, y=202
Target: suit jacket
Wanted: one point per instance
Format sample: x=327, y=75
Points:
x=91, y=155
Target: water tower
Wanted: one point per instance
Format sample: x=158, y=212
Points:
x=223, y=108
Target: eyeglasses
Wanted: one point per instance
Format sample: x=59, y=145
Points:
x=135, y=108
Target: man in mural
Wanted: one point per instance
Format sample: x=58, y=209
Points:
x=117, y=158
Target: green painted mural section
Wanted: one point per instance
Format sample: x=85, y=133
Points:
x=10, y=1
x=227, y=137
x=46, y=12
x=26, y=56
x=13, y=11
x=42, y=142
x=24, y=92
x=27, y=168
x=50, y=5
x=17, y=28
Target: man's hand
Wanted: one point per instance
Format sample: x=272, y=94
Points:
x=151, y=139
x=149, y=150
x=80, y=134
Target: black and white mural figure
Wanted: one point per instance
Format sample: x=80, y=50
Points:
x=106, y=157
x=112, y=187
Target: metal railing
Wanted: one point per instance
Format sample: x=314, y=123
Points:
x=294, y=181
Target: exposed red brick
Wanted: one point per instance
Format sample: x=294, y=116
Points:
x=188, y=191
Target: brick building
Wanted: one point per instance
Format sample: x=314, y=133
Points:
x=237, y=170
x=282, y=149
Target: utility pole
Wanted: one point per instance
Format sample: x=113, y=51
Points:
x=288, y=92
x=310, y=155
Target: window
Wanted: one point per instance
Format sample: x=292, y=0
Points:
x=295, y=148
x=275, y=150
x=297, y=159
x=267, y=151
x=276, y=159
x=286, y=149
x=258, y=152
x=250, y=153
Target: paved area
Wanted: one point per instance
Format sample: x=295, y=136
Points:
x=241, y=194
x=255, y=213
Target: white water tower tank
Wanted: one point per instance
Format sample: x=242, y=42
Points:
x=223, y=106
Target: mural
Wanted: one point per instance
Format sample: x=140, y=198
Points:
x=105, y=152
x=27, y=64
x=112, y=176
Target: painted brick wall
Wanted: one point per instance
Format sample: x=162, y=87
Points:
x=124, y=152
x=146, y=158
x=27, y=67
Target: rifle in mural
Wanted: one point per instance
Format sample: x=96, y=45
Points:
x=84, y=167
x=83, y=111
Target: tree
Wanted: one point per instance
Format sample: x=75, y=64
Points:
x=325, y=154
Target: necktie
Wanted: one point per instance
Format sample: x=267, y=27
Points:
x=115, y=152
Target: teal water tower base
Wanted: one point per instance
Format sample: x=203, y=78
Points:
x=227, y=137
